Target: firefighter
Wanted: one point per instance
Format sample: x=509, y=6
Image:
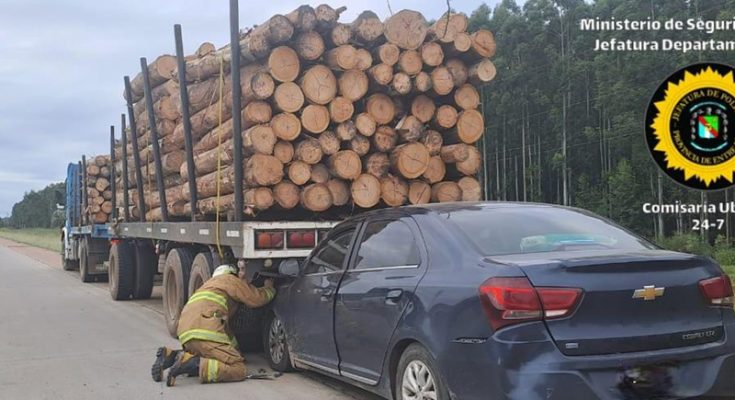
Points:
x=209, y=347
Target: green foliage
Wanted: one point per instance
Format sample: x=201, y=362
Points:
x=686, y=243
x=39, y=237
x=36, y=208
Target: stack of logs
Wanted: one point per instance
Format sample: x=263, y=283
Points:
x=99, y=194
x=364, y=114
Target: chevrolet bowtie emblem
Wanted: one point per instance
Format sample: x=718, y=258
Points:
x=648, y=293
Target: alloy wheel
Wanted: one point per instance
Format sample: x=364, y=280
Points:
x=276, y=340
x=418, y=383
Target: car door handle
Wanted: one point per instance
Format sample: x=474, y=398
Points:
x=394, y=295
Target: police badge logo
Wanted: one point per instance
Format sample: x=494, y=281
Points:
x=688, y=126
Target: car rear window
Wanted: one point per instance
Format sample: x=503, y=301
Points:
x=518, y=230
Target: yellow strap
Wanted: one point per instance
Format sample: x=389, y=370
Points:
x=212, y=370
x=209, y=296
x=219, y=151
x=204, y=334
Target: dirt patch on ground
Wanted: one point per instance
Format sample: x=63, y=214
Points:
x=47, y=257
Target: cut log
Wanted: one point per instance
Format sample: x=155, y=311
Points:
x=262, y=170
x=482, y=72
x=316, y=197
x=360, y=145
x=442, y=81
x=471, y=189
x=100, y=218
x=381, y=74
x=107, y=195
x=410, y=160
x=376, y=164
x=283, y=151
x=387, y=54
x=353, y=84
x=303, y=18
x=319, y=173
x=256, y=112
x=384, y=139
x=341, y=58
x=436, y=170
x=410, y=129
x=308, y=151
x=444, y=192
x=365, y=124
x=401, y=83
x=299, y=172
x=365, y=191
x=101, y=185
x=455, y=153
x=422, y=82
x=410, y=62
x=216, y=205
x=259, y=198
x=159, y=71
x=283, y=64
x=467, y=97
x=314, y=118
x=286, y=126
x=326, y=16
x=277, y=30
x=393, y=190
x=207, y=185
x=288, y=97
x=329, y=143
x=462, y=43
x=446, y=28
x=258, y=139
x=381, y=108
x=106, y=208
x=406, y=29
x=419, y=192
x=207, y=161
x=472, y=164
x=340, y=35
x=483, y=43
x=459, y=72
x=432, y=54
x=423, y=108
x=341, y=109
x=470, y=126
x=446, y=116
x=364, y=60
x=310, y=46
x=204, y=49
x=286, y=194
x=340, y=191
x=345, y=164
x=319, y=85
x=346, y=131
x=367, y=27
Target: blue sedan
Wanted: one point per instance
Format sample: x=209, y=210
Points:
x=504, y=301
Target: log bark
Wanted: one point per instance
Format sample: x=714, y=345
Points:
x=283, y=151
x=367, y=27
x=319, y=85
x=329, y=143
x=262, y=170
x=345, y=164
x=419, y=192
x=326, y=16
x=258, y=139
x=467, y=97
x=401, y=83
x=444, y=192
x=303, y=18
x=455, y=153
x=286, y=194
x=376, y=164
x=365, y=124
x=283, y=64
x=159, y=71
x=384, y=139
x=394, y=190
x=288, y=97
x=365, y=191
x=406, y=29
x=423, y=108
x=316, y=197
x=308, y=151
x=314, y=118
x=299, y=172
x=381, y=108
x=472, y=164
x=340, y=35
x=446, y=28
x=435, y=171
x=353, y=84
x=410, y=62
x=340, y=191
x=471, y=189
x=256, y=112
x=459, y=71
x=410, y=129
x=410, y=160
x=346, y=131
x=360, y=145
x=341, y=109
x=286, y=126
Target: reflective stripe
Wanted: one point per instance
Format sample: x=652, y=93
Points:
x=209, y=296
x=203, y=334
x=270, y=293
x=234, y=343
x=212, y=369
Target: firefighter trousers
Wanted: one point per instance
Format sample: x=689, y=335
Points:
x=218, y=362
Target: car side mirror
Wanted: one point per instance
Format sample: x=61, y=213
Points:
x=289, y=267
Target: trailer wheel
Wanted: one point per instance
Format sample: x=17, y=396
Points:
x=146, y=265
x=201, y=271
x=66, y=264
x=175, y=286
x=121, y=270
x=84, y=261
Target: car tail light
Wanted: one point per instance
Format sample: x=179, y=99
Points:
x=509, y=301
x=717, y=290
x=301, y=239
x=265, y=240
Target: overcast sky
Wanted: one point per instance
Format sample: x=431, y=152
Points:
x=63, y=61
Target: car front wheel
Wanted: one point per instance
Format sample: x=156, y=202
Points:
x=275, y=345
x=417, y=378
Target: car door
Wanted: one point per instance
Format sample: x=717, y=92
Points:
x=312, y=301
x=385, y=269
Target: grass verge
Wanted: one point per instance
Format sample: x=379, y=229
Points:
x=45, y=238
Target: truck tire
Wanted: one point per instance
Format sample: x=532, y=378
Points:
x=122, y=270
x=201, y=271
x=247, y=326
x=175, y=286
x=84, y=260
x=146, y=266
x=66, y=264
x=275, y=344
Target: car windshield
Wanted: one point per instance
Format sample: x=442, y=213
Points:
x=518, y=230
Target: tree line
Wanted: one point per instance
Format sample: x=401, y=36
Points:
x=39, y=209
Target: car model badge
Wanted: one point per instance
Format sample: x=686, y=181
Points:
x=648, y=293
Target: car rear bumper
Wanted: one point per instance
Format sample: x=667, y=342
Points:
x=522, y=363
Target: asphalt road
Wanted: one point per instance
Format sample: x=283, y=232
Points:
x=63, y=339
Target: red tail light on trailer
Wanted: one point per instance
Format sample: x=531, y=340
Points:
x=717, y=291
x=301, y=239
x=267, y=240
x=508, y=301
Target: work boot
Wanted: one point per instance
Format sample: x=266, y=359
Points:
x=186, y=363
x=165, y=358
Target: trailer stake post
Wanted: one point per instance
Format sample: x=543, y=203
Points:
x=136, y=151
x=236, y=106
x=113, y=199
x=154, y=139
x=83, y=189
x=188, y=144
x=124, y=175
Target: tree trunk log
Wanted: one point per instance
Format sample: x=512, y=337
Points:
x=319, y=173
x=346, y=130
x=422, y=82
x=467, y=97
x=384, y=139
x=436, y=170
x=419, y=192
x=314, y=118
x=329, y=143
x=381, y=74
x=319, y=85
x=394, y=190
x=471, y=189
x=308, y=151
x=341, y=57
x=340, y=191
x=483, y=43
x=406, y=29
x=263, y=170
x=316, y=197
x=365, y=191
x=286, y=126
x=283, y=151
x=341, y=109
x=367, y=27
x=446, y=117
x=381, y=108
x=345, y=164
x=442, y=81
x=286, y=194
x=283, y=64
x=387, y=54
x=288, y=97
x=303, y=18
x=401, y=83
x=310, y=46
x=410, y=160
x=377, y=164
x=446, y=28
x=444, y=192
x=353, y=84
x=299, y=172
x=340, y=35
x=360, y=145
x=364, y=60
x=365, y=124
x=423, y=108
x=432, y=54
x=482, y=72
